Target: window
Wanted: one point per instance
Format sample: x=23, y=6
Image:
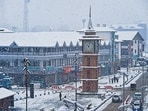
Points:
x=124, y=52
x=135, y=51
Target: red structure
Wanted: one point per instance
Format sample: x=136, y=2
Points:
x=90, y=68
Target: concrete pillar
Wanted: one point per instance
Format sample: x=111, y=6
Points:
x=41, y=64
x=12, y=62
x=19, y=63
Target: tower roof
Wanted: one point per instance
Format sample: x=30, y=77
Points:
x=90, y=21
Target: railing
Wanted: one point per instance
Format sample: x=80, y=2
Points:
x=39, y=53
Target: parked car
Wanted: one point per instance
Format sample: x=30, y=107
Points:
x=137, y=96
x=137, y=106
x=116, y=98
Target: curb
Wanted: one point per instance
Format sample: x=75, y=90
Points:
x=111, y=96
x=101, y=104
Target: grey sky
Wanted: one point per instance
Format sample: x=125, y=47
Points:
x=70, y=13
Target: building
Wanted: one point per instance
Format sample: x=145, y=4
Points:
x=130, y=44
x=50, y=58
x=52, y=54
x=6, y=99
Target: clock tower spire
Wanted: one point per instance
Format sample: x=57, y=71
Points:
x=90, y=21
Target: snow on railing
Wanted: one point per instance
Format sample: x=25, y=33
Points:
x=73, y=103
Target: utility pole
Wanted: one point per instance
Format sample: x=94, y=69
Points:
x=26, y=64
x=143, y=82
x=76, y=70
x=123, y=90
x=127, y=69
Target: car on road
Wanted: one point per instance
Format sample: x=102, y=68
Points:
x=137, y=105
x=116, y=98
x=137, y=96
x=133, y=86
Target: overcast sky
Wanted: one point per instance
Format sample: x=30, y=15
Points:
x=70, y=13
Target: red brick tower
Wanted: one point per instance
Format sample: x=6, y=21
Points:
x=90, y=72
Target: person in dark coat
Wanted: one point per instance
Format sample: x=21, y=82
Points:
x=60, y=96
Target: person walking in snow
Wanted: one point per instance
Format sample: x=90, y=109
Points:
x=60, y=96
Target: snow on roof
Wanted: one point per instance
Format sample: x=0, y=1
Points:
x=125, y=26
x=4, y=30
x=99, y=29
x=39, y=39
x=126, y=35
x=5, y=93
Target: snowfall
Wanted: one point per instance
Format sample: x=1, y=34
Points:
x=48, y=99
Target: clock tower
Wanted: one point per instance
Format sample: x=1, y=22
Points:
x=90, y=68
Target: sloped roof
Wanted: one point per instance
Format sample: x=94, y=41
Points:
x=127, y=35
x=39, y=39
x=4, y=93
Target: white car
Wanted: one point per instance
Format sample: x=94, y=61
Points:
x=137, y=96
x=116, y=98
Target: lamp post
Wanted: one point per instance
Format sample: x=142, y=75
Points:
x=123, y=88
x=143, y=82
x=76, y=69
x=108, y=69
x=26, y=63
x=45, y=80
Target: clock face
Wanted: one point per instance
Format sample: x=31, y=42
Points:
x=88, y=46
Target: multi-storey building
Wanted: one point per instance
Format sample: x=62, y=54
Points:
x=52, y=54
x=130, y=47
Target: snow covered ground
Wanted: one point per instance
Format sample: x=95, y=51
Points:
x=48, y=99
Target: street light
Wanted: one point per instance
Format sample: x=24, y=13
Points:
x=123, y=88
x=143, y=81
x=76, y=69
x=26, y=63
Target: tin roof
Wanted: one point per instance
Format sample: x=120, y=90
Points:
x=4, y=93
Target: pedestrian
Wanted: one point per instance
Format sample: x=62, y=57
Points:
x=60, y=96
x=117, y=80
x=112, y=80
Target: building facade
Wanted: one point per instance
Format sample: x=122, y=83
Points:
x=52, y=54
x=131, y=47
